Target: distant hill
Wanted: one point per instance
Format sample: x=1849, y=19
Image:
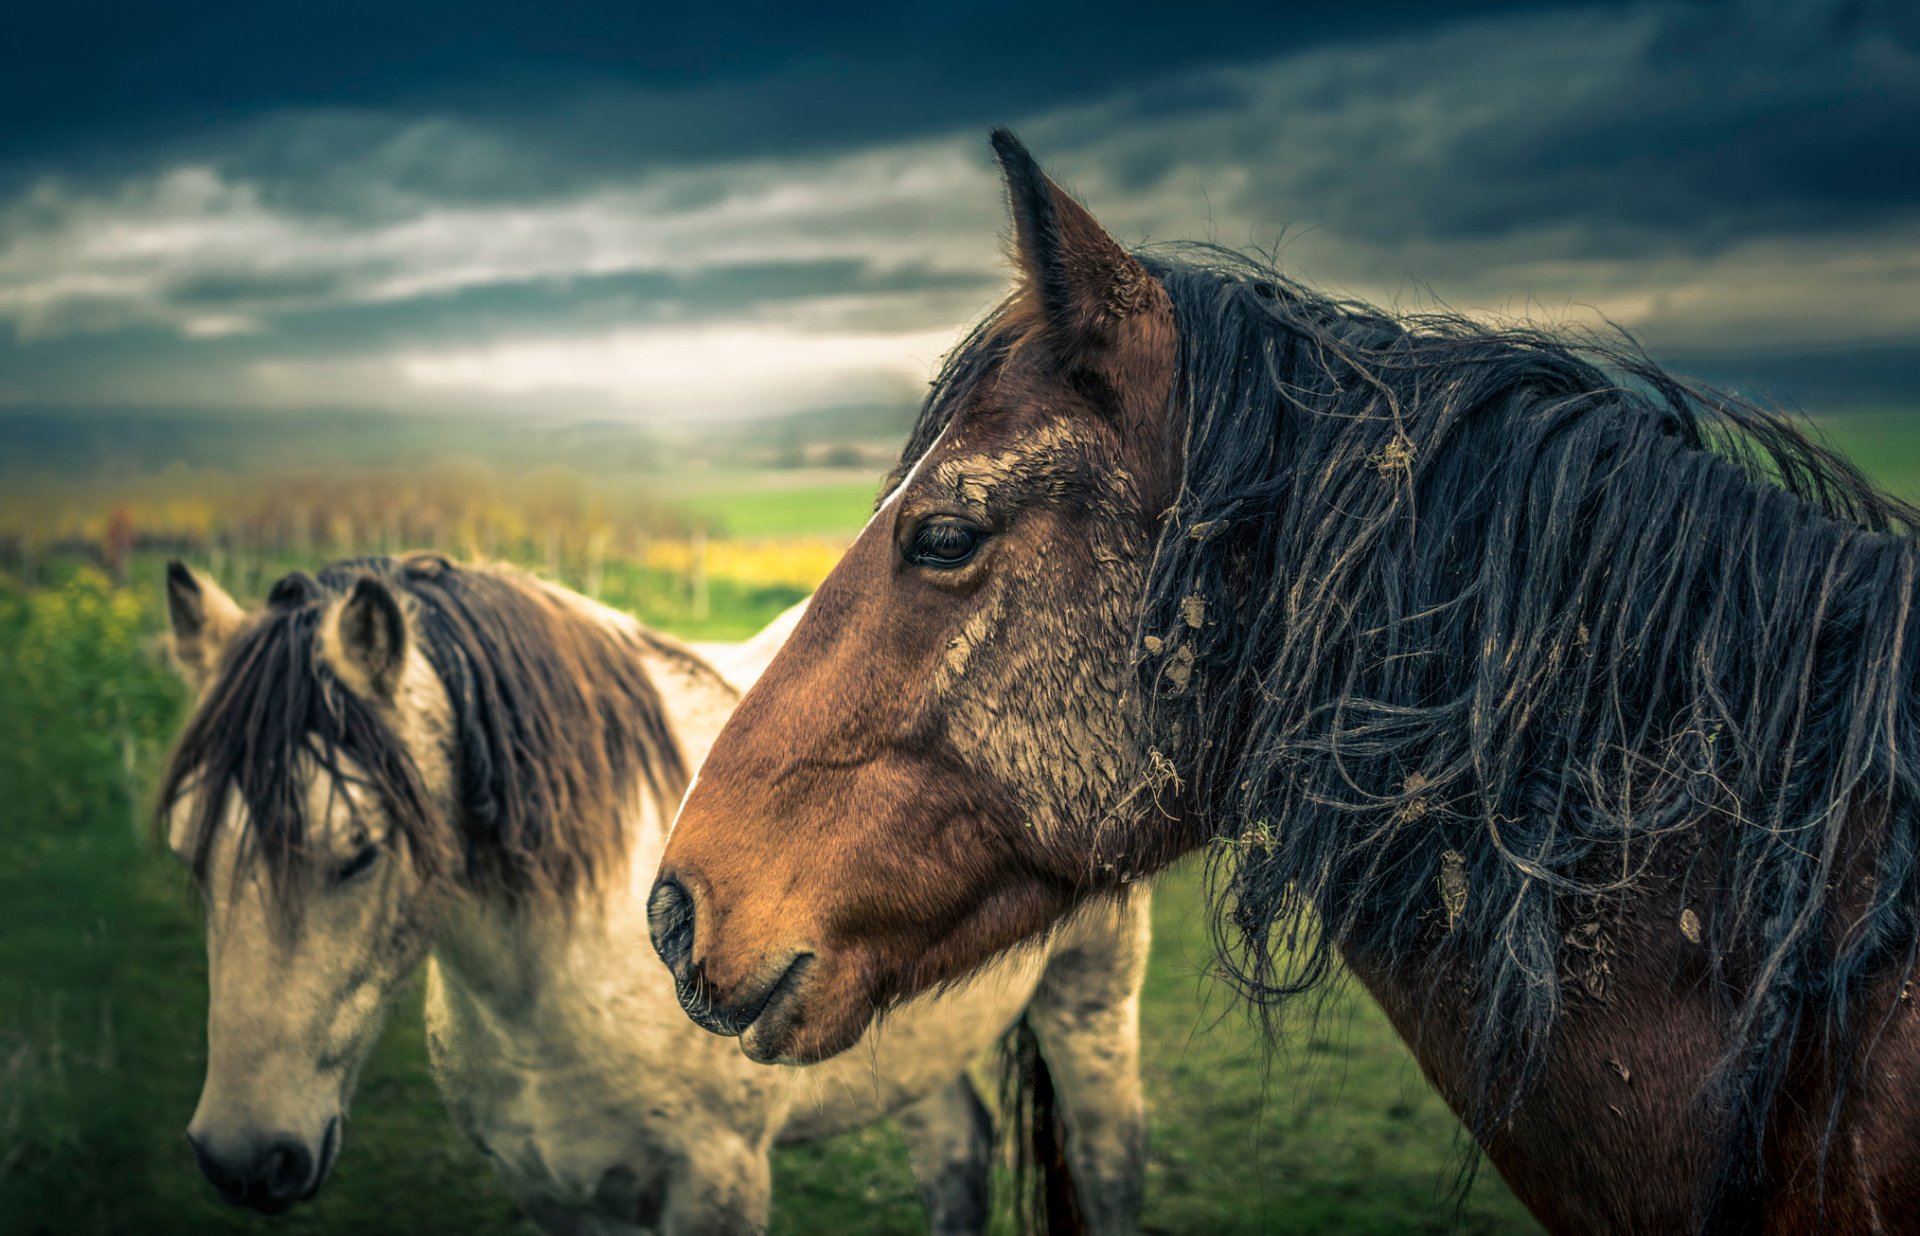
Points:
x=54, y=443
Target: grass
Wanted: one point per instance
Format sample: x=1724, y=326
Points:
x=795, y=502
x=1886, y=442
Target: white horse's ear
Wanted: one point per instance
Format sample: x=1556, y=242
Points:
x=365, y=640
x=204, y=620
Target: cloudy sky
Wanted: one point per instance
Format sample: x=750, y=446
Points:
x=720, y=210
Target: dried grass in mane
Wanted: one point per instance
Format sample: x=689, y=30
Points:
x=1508, y=631
x=556, y=726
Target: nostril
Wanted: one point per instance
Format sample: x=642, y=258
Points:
x=285, y=1169
x=670, y=922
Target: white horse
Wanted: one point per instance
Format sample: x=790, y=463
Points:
x=408, y=759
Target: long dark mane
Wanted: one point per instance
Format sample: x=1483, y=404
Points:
x=555, y=727
x=1505, y=631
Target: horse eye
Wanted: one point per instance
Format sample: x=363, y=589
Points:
x=944, y=543
x=357, y=864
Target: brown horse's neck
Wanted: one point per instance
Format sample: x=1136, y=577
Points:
x=1613, y=1136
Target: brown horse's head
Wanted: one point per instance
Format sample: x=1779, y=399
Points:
x=941, y=761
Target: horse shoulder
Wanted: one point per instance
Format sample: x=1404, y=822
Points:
x=1607, y=1139
x=1871, y=1177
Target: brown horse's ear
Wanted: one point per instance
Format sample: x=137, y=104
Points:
x=204, y=620
x=366, y=640
x=1093, y=297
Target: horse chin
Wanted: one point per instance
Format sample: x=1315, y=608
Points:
x=806, y=1020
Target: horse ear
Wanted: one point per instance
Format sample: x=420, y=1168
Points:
x=1091, y=294
x=204, y=620
x=366, y=641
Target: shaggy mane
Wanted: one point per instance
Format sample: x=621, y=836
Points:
x=1509, y=634
x=556, y=726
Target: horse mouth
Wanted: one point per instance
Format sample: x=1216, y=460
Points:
x=329, y=1151
x=767, y=1036
x=771, y=1012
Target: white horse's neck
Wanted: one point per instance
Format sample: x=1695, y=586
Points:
x=551, y=1032
x=513, y=961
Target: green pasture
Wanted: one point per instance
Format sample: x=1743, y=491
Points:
x=1886, y=443
x=790, y=502
x=102, y=982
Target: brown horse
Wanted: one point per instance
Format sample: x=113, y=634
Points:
x=1570, y=704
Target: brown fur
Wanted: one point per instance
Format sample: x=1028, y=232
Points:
x=1613, y=1137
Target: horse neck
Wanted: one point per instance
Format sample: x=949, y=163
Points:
x=521, y=958
x=570, y=1023
x=518, y=959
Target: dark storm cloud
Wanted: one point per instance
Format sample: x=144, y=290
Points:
x=1790, y=117
x=252, y=290
x=1725, y=118
x=1664, y=128
x=557, y=306
x=709, y=290
x=1852, y=377
x=750, y=77
x=397, y=206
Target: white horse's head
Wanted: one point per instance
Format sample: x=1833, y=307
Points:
x=375, y=740
x=304, y=798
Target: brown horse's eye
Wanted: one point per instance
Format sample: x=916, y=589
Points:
x=944, y=543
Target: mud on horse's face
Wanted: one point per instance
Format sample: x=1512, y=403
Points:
x=926, y=774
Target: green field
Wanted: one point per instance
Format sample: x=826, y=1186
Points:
x=102, y=983
x=811, y=502
x=1886, y=443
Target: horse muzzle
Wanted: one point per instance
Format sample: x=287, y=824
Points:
x=269, y=1172
x=762, y=1012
